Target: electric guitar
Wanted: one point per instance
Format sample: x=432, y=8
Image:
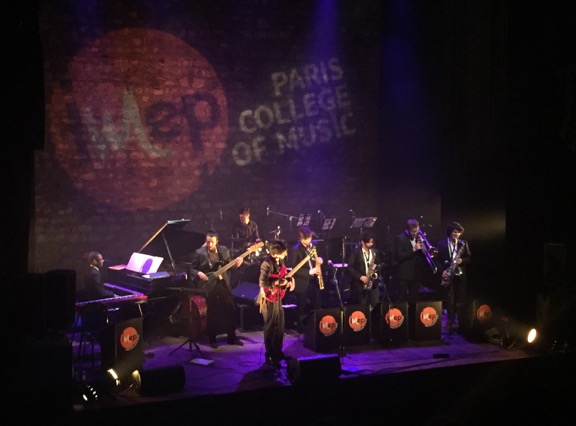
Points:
x=277, y=292
x=213, y=277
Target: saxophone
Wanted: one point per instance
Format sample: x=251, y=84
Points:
x=318, y=269
x=372, y=275
x=320, y=277
x=453, y=266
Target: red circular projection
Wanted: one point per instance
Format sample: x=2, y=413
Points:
x=328, y=325
x=394, y=318
x=143, y=121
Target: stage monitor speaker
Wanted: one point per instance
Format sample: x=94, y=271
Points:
x=246, y=293
x=122, y=346
x=425, y=320
x=356, y=325
x=322, y=330
x=314, y=370
x=60, y=299
x=390, y=322
x=476, y=317
x=162, y=381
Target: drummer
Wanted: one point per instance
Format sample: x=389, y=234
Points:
x=246, y=231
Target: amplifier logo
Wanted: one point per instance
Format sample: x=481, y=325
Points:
x=428, y=316
x=357, y=321
x=394, y=318
x=129, y=338
x=483, y=313
x=328, y=325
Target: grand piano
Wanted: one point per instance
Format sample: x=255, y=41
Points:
x=173, y=243
x=165, y=290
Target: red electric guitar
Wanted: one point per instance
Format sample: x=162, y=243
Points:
x=277, y=292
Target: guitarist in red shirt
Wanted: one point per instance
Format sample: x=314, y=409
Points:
x=274, y=282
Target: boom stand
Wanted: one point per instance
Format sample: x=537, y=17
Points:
x=335, y=281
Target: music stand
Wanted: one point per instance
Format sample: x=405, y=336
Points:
x=363, y=222
x=328, y=224
x=304, y=219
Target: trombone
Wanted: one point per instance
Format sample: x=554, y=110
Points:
x=428, y=250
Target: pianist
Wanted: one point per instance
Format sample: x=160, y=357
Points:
x=91, y=283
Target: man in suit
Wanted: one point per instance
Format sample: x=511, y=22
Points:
x=306, y=278
x=220, y=304
x=409, y=263
x=92, y=286
x=452, y=259
x=362, y=263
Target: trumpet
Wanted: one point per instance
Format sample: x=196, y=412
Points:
x=428, y=250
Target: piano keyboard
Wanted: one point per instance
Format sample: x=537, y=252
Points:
x=124, y=295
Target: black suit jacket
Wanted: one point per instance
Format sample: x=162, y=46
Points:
x=357, y=265
x=443, y=260
x=408, y=263
x=200, y=261
x=302, y=276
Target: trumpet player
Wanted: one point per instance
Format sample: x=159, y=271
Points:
x=409, y=262
x=452, y=259
x=363, y=265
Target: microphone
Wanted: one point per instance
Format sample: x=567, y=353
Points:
x=330, y=263
x=352, y=212
x=320, y=213
x=220, y=214
x=267, y=210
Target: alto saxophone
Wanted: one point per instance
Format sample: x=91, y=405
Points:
x=453, y=267
x=372, y=275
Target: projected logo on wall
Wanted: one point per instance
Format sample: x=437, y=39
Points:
x=143, y=121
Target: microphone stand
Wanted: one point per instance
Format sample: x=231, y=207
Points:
x=335, y=280
x=289, y=216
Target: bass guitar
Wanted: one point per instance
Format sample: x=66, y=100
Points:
x=277, y=292
x=213, y=277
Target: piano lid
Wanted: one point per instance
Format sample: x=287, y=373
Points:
x=173, y=242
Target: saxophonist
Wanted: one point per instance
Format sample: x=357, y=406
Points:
x=452, y=259
x=364, y=267
x=307, y=287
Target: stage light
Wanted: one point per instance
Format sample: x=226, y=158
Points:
x=90, y=394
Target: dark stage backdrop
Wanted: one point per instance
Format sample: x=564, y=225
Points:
x=167, y=110
x=158, y=111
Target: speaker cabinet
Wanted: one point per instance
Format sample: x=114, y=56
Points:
x=356, y=325
x=246, y=293
x=317, y=369
x=162, y=381
x=390, y=322
x=425, y=320
x=476, y=317
x=322, y=330
x=122, y=346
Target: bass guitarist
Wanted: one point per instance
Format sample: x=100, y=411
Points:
x=452, y=259
x=220, y=305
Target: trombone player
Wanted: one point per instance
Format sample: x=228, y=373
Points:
x=409, y=260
